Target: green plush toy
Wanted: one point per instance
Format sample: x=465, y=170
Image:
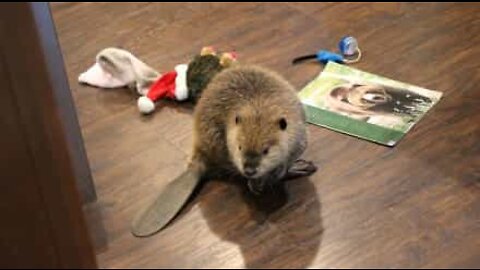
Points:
x=119, y=68
x=203, y=67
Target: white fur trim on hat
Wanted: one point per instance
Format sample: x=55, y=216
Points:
x=181, y=90
x=145, y=105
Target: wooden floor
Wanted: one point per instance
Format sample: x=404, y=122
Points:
x=415, y=205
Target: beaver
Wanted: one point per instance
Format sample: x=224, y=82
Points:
x=248, y=123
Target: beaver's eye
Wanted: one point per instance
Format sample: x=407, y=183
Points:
x=282, y=123
x=240, y=148
x=237, y=120
x=265, y=151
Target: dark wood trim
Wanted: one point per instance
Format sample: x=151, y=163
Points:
x=44, y=149
x=66, y=107
x=65, y=104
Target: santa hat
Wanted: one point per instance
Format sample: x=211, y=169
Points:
x=172, y=85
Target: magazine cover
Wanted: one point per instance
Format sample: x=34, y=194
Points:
x=365, y=105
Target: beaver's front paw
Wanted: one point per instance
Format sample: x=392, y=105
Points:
x=300, y=168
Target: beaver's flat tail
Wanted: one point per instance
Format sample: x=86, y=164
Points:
x=167, y=205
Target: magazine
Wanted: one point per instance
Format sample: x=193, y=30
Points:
x=365, y=105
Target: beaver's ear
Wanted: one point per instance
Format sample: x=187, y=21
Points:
x=228, y=58
x=209, y=50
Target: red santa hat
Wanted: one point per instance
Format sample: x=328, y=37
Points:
x=172, y=85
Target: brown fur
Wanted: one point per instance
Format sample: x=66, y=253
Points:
x=258, y=99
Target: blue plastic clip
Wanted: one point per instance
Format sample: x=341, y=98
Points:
x=325, y=56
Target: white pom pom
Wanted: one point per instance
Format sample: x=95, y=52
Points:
x=145, y=105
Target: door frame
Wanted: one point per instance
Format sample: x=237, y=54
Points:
x=53, y=180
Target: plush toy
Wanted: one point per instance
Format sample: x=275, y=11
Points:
x=119, y=68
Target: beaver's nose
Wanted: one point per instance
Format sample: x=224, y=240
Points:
x=250, y=171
